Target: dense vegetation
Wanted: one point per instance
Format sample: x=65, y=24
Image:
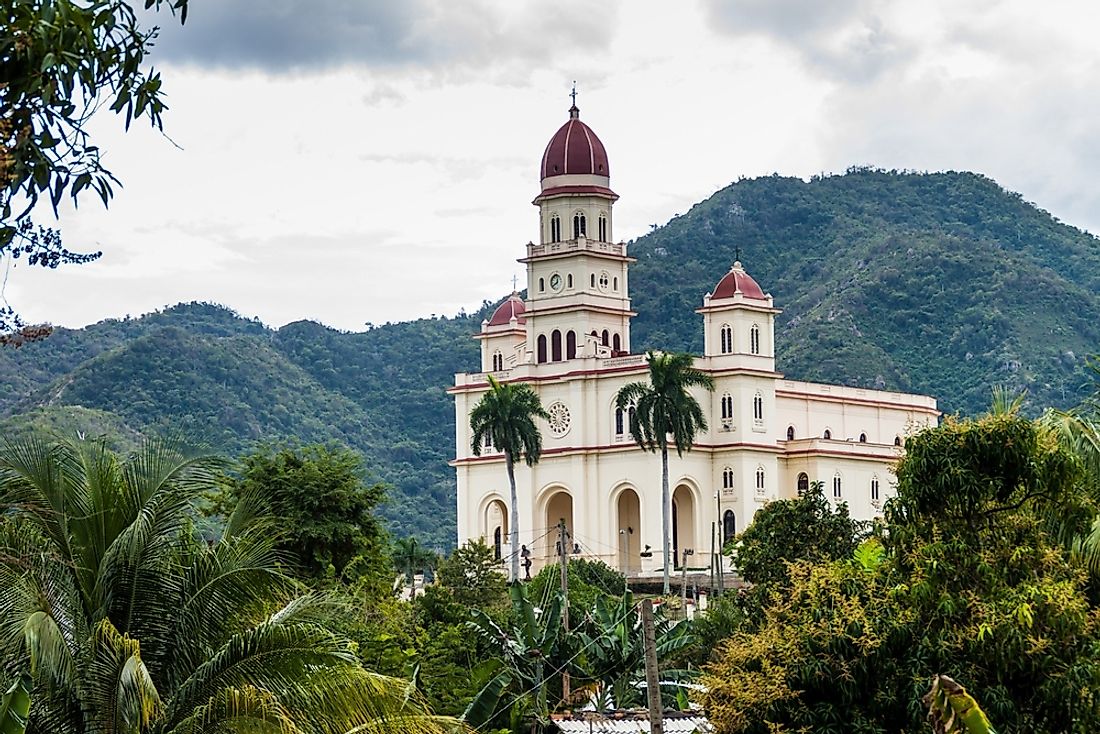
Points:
x=939, y=283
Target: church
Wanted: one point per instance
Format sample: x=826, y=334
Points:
x=768, y=437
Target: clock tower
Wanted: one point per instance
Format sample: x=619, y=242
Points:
x=577, y=304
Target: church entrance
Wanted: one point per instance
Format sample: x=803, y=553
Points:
x=559, y=507
x=683, y=523
x=496, y=528
x=629, y=528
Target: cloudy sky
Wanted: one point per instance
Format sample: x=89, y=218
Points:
x=356, y=161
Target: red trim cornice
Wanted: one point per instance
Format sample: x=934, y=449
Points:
x=561, y=254
x=620, y=448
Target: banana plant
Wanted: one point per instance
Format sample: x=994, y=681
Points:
x=614, y=657
x=954, y=711
x=16, y=706
x=516, y=681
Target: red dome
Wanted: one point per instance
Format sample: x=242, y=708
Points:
x=574, y=149
x=738, y=281
x=514, y=306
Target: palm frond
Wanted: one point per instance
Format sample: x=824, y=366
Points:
x=117, y=689
x=270, y=656
x=244, y=709
x=15, y=706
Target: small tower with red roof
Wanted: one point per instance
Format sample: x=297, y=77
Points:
x=504, y=336
x=739, y=322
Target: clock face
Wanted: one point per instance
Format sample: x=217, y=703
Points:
x=555, y=282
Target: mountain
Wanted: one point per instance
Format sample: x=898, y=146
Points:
x=940, y=283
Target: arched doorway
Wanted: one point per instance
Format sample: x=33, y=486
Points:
x=496, y=528
x=559, y=507
x=629, y=523
x=683, y=522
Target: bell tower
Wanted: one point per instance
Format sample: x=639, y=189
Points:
x=577, y=290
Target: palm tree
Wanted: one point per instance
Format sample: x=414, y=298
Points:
x=506, y=417
x=411, y=557
x=664, y=409
x=129, y=622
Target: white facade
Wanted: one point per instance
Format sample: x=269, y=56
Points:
x=570, y=340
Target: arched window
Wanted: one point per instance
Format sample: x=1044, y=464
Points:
x=498, y=361
x=760, y=480
x=828, y=435
x=618, y=421
x=836, y=485
x=863, y=438
x=630, y=416
x=897, y=440
x=754, y=339
x=497, y=543
x=729, y=526
x=758, y=408
x=579, y=228
x=542, y=285
x=555, y=346
x=790, y=433
x=615, y=284
x=569, y=280
x=603, y=228
x=616, y=343
x=605, y=338
x=803, y=484
x=570, y=345
x=874, y=488
x=593, y=279
x=488, y=442
x=727, y=406
x=542, y=348
x=726, y=334
x=555, y=228
x=727, y=478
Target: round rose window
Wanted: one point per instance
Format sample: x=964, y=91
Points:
x=559, y=419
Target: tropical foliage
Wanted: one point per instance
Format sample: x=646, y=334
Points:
x=807, y=528
x=663, y=409
x=968, y=581
x=327, y=511
x=128, y=621
x=504, y=421
x=529, y=657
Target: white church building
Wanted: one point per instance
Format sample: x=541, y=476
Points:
x=768, y=436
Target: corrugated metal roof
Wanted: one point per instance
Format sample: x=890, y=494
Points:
x=630, y=723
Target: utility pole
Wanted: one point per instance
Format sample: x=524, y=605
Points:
x=652, y=684
x=563, y=556
x=713, y=559
x=721, y=528
x=684, y=580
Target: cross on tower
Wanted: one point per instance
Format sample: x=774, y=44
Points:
x=737, y=253
x=573, y=94
x=514, y=279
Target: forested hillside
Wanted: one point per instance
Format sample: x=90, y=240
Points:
x=937, y=283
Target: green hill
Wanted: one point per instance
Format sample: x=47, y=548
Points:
x=937, y=283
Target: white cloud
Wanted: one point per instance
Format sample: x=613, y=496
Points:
x=353, y=184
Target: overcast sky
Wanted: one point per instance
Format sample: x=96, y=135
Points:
x=355, y=161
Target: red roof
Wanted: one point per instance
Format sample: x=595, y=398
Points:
x=574, y=149
x=738, y=281
x=514, y=306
